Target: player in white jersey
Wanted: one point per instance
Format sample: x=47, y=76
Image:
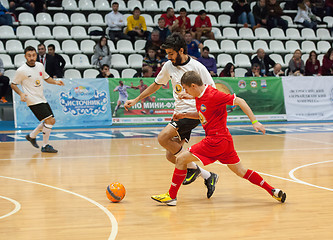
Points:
x=179, y=63
x=31, y=76
x=123, y=95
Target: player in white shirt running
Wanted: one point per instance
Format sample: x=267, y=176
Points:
x=173, y=136
x=31, y=76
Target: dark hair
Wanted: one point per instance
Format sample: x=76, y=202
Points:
x=136, y=8
x=114, y=3
x=29, y=48
x=241, y=1
x=169, y=8
x=191, y=77
x=205, y=49
x=313, y=51
x=51, y=46
x=41, y=44
x=227, y=68
x=105, y=65
x=100, y=41
x=255, y=65
x=328, y=54
x=202, y=12
x=161, y=19
x=182, y=10
x=175, y=41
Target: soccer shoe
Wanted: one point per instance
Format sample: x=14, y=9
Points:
x=191, y=175
x=210, y=183
x=165, y=198
x=279, y=195
x=49, y=149
x=32, y=141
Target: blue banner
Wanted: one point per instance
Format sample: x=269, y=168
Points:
x=80, y=103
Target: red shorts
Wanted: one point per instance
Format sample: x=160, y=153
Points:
x=214, y=148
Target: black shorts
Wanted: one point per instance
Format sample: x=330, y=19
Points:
x=185, y=127
x=41, y=111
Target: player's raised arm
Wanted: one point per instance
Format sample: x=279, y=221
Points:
x=147, y=92
x=247, y=110
x=55, y=82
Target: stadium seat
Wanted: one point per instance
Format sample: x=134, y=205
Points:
x=19, y=60
x=24, y=32
x=164, y=4
x=61, y=32
x=56, y=45
x=72, y=73
x=182, y=4
x=228, y=46
x=131, y=4
x=192, y=18
x=242, y=60
x=70, y=5
x=291, y=24
x=128, y=73
x=261, y=44
x=324, y=34
x=31, y=42
x=231, y=33
x=125, y=46
x=278, y=34
x=277, y=59
x=96, y=19
x=68, y=61
x=90, y=73
x=14, y=46
x=44, y=19
x=262, y=33
x=287, y=58
x=196, y=6
x=308, y=46
x=61, y=19
x=149, y=20
x=328, y=20
x=81, y=61
x=213, y=20
x=292, y=45
x=246, y=33
x=139, y=46
x=86, y=5
x=70, y=47
x=122, y=7
x=226, y=7
x=135, y=60
x=43, y=32
x=26, y=18
x=119, y=61
x=223, y=59
x=2, y=48
x=79, y=32
x=323, y=46
x=150, y=6
x=240, y=72
x=244, y=46
x=10, y=74
x=320, y=58
x=213, y=46
x=305, y=57
x=7, y=61
x=87, y=46
x=308, y=34
x=112, y=47
x=217, y=33
x=78, y=19
x=277, y=46
x=7, y=32
x=102, y=5
x=293, y=34
x=115, y=73
x=212, y=6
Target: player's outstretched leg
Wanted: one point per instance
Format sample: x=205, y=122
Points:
x=210, y=183
x=32, y=141
x=32, y=136
x=279, y=195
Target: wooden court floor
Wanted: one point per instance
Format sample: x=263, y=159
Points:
x=62, y=196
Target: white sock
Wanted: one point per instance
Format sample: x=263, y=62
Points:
x=37, y=130
x=204, y=173
x=46, y=133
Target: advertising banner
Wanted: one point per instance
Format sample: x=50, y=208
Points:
x=308, y=98
x=80, y=103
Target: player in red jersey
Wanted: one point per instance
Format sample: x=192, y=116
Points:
x=218, y=144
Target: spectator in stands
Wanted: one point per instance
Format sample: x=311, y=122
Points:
x=116, y=23
x=136, y=25
x=208, y=62
x=274, y=16
x=164, y=31
x=264, y=61
x=329, y=7
x=203, y=26
x=169, y=18
x=54, y=3
x=327, y=67
x=193, y=46
x=242, y=14
x=104, y=72
x=305, y=16
x=147, y=72
x=5, y=83
x=47, y=60
x=155, y=43
x=312, y=65
x=40, y=6
x=102, y=54
x=318, y=7
x=29, y=5
x=182, y=24
x=59, y=60
x=5, y=16
x=260, y=13
x=276, y=72
x=151, y=59
x=254, y=71
x=228, y=71
x=296, y=64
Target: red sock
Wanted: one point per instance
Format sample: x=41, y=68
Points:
x=177, y=180
x=256, y=179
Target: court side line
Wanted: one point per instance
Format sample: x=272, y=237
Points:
x=16, y=209
x=114, y=223
x=291, y=174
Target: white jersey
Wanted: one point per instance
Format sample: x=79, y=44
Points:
x=175, y=73
x=32, y=79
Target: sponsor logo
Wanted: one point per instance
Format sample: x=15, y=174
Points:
x=203, y=108
x=178, y=88
x=253, y=84
x=202, y=118
x=241, y=84
x=263, y=83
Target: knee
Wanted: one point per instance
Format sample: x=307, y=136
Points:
x=162, y=138
x=50, y=121
x=180, y=160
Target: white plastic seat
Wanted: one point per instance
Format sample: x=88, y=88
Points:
x=61, y=32
x=148, y=19
x=240, y=72
x=115, y=73
x=308, y=46
x=102, y=5
x=112, y=47
x=291, y=24
x=305, y=57
x=261, y=44
x=7, y=32
x=70, y=5
x=213, y=20
x=223, y=59
x=70, y=47
x=125, y=46
x=135, y=60
x=55, y=43
x=196, y=6
x=96, y=19
x=277, y=58
x=24, y=32
x=182, y=4
x=213, y=46
x=10, y=74
x=43, y=32
x=19, y=60
x=320, y=58
x=244, y=46
x=44, y=19
x=278, y=33
x=246, y=33
x=86, y=5
x=128, y=73
x=323, y=46
x=31, y=42
x=230, y=33
x=324, y=34
x=61, y=19
x=217, y=33
x=26, y=18
x=293, y=34
x=150, y=6
x=277, y=46
x=226, y=6
x=81, y=61
x=68, y=61
x=287, y=58
x=192, y=17
x=228, y=46
x=79, y=32
x=79, y=19
x=90, y=73
x=2, y=48
x=164, y=4
x=224, y=21
x=292, y=45
x=242, y=60
x=308, y=34
x=72, y=73
x=262, y=33
x=122, y=7
x=87, y=46
x=119, y=61
x=212, y=6
x=328, y=20
x=90, y=29
x=139, y=46
x=7, y=61
x=131, y=4
x=14, y=46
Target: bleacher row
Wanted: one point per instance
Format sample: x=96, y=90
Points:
x=69, y=31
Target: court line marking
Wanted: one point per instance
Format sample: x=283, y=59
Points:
x=16, y=209
x=291, y=174
x=114, y=223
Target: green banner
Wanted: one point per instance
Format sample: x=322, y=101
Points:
x=264, y=95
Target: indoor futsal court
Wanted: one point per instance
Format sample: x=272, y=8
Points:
x=62, y=196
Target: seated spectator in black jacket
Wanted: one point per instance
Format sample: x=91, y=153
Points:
x=48, y=61
x=60, y=61
x=105, y=72
x=264, y=61
x=277, y=72
x=260, y=13
x=29, y=5
x=254, y=71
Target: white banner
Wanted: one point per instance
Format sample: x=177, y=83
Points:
x=308, y=98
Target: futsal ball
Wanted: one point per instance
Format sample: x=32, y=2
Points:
x=115, y=192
